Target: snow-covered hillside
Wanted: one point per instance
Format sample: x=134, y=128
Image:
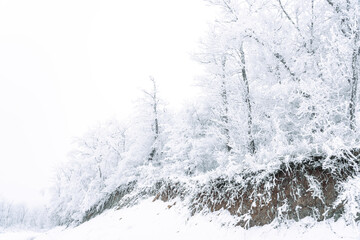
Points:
x=271, y=144
x=159, y=220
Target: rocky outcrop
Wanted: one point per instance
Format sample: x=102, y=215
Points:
x=110, y=201
x=295, y=190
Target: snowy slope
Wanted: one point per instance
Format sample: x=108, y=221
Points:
x=157, y=220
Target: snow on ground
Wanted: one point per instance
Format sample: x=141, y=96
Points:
x=157, y=220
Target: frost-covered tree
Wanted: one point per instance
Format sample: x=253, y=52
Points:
x=19, y=215
x=296, y=66
x=106, y=157
x=92, y=172
x=346, y=15
x=194, y=145
x=154, y=103
x=147, y=131
x=280, y=83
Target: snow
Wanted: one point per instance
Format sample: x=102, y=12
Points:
x=171, y=220
x=290, y=101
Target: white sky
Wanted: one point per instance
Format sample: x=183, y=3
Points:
x=66, y=65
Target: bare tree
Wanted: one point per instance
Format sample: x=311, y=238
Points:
x=153, y=95
x=225, y=103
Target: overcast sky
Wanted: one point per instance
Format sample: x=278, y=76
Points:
x=66, y=65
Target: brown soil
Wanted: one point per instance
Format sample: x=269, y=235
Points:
x=294, y=191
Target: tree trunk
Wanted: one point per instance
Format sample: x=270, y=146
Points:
x=346, y=30
x=225, y=103
x=156, y=120
x=354, y=82
x=251, y=140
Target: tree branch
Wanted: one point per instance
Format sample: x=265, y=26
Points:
x=290, y=19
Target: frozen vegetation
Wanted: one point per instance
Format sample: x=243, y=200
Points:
x=273, y=137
